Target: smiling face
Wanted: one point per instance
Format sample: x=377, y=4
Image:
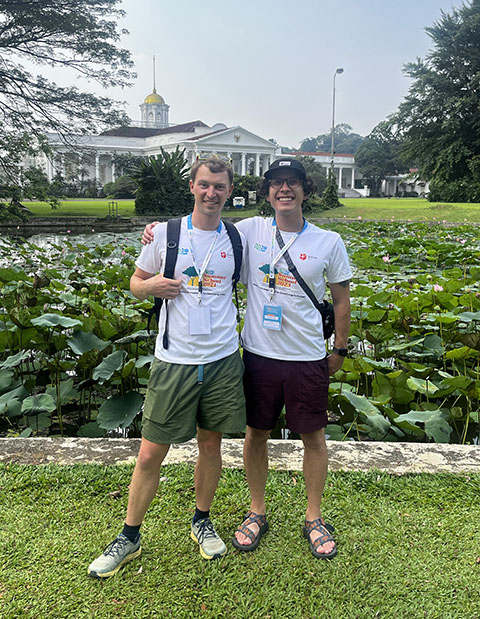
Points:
x=211, y=190
x=284, y=199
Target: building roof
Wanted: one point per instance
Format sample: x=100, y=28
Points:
x=309, y=154
x=144, y=132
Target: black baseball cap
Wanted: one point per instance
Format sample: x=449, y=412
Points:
x=286, y=163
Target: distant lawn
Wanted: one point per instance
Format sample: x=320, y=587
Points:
x=408, y=547
x=415, y=209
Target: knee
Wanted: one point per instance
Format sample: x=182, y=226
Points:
x=256, y=438
x=209, y=446
x=149, y=459
x=314, y=442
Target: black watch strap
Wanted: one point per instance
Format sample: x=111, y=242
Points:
x=343, y=352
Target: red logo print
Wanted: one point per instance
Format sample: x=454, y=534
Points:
x=303, y=256
x=223, y=254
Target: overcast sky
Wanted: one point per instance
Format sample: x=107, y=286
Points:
x=268, y=65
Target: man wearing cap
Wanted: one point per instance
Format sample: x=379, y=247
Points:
x=284, y=349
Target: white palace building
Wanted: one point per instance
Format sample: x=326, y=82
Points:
x=248, y=152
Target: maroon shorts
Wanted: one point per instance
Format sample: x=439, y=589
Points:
x=300, y=386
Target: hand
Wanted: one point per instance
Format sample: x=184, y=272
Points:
x=335, y=362
x=147, y=234
x=163, y=287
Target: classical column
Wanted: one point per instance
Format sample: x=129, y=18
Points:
x=257, y=164
x=113, y=170
x=265, y=163
x=340, y=170
x=97, y=167
x=243, y=164
x=353, y=178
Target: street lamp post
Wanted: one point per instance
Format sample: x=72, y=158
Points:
x=339, y=71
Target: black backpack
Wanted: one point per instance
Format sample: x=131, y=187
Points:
x=173, y=236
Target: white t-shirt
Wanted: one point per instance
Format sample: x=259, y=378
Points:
x=319, y=255
x=217, y=295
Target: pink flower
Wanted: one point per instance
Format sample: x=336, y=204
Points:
x=123, y=252
x=68, y=231
x=463, y=241
x=386, y=258
x=359, y=217
x=438, y=288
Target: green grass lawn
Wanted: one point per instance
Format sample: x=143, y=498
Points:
x=415, y=209
x=408, y=548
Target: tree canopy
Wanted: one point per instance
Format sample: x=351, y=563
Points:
x=81, y=35
x=439, y=120
x=346, y=141
x=379, y=156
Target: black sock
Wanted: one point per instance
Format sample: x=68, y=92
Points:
x=199, y=515
x=133, y=533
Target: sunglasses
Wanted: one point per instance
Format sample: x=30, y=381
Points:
x=292, y=182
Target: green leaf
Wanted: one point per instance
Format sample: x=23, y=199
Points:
x=15, y=360
x=461, y=353
x=6, y=381
x=334, y=432
x=55, y=320
x=425, y=387
x=11, y=402
x=111, y=364
x=36, y=404
x=434, y=422
x=67, y=391
x=119, y=411
x=91, y=430
x=369, y=413
x=82, y=342
x=138, y=336
x=406, y=345
x=39, y=421
x=144, y=360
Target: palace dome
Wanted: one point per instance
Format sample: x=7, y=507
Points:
x=154, y=98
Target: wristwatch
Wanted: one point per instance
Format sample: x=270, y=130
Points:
x=343, y=352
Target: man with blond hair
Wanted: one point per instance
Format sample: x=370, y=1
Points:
x=195, y=385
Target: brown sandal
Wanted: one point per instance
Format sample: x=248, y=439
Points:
x=251, y=518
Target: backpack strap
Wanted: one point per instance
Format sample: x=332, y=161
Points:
x=173, y=236
x=237, y=247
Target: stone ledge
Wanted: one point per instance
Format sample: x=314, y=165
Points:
x=396, y=458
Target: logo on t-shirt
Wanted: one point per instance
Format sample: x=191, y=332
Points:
x=303, y=256
x=283, y=278
x=223, y=254
x=183, y=251
x=260, y=247
x=209, y=280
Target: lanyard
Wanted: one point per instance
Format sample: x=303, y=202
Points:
x=274, y=260
x=204, y=266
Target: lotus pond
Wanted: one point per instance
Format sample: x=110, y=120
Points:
x=75, y=353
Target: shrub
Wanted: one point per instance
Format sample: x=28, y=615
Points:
x=462, y=190
x=329, y=197
x=162, y=185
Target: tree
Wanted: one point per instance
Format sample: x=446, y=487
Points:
x=81, y=35
x=379, y=156
x=439, y=119
x=346, y=141
x=329, y=198
x=162, y=184
x=315, y=171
